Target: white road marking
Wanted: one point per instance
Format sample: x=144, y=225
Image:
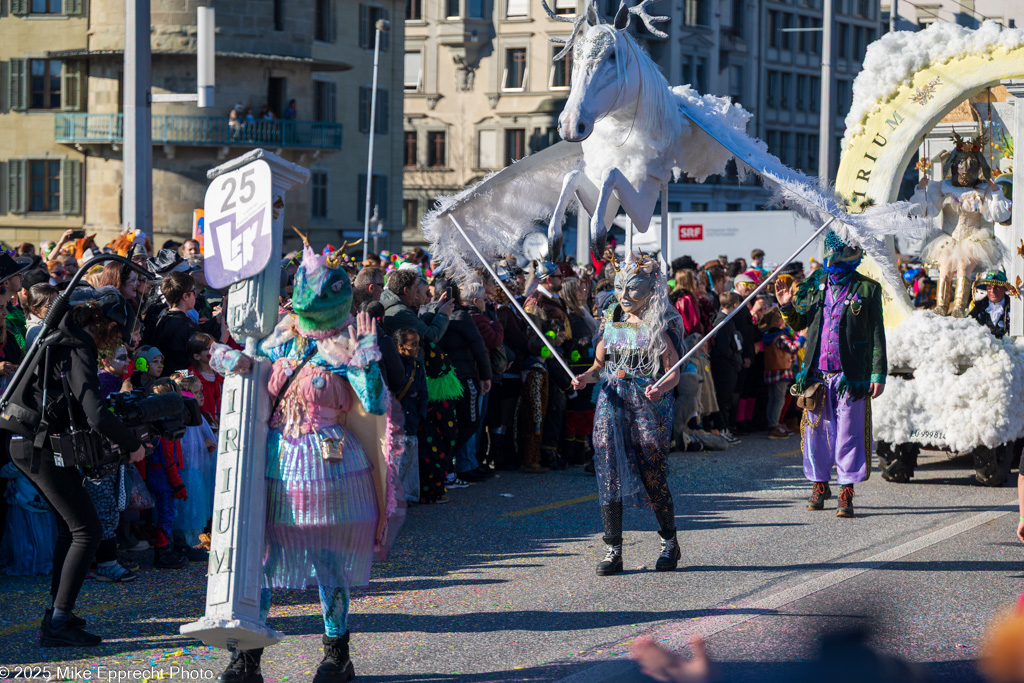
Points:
x=709, y=626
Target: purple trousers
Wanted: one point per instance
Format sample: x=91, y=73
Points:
x=837, y=434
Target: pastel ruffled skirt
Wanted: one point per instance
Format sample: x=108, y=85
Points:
x=322, y=515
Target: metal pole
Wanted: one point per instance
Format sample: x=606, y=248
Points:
x=512, y=299
x=825, y=125
x=382, y=27
x=894, y=11
x=757, y=291
x=206, y=26
x=137, y=152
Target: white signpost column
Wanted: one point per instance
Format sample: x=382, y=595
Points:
x=244, y=230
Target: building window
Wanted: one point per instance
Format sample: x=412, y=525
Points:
x=802, y=84
x=561, y=71
x=786, y=90
x=453, y=9
x=515, y=145
x=278, y=15
x=567, y=7
x=844, y=96
x=413, y=71
x=44, y=186
x=786, y=37
x=517, y=9
x=325, y=98
x=774, y=29
x=47, y=7
x=814, y=96
x=487, y=149
x=772, y=90
x=378, y=197
x=738, y=11
x=812, y=152
x=369, y=15
x=45, y=75
x=515, y=69
x=695, y=72
x=800, y=158
x=698, y=206
x=409, y=145
x=436, y=149
x=843, y=40
x=475, y=9
x=414, y=10
x=785, y=150
x=410, y=213
x=736, y=82
x=695, y=13
x=318, y=194
x=383, y=122
x=733, y=207
x=323, y=21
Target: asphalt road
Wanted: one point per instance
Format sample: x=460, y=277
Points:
x=499, y=585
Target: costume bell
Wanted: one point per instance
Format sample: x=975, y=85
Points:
x=633, y=420
x=844, y=365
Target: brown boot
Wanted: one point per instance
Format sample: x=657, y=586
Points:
x=962, y=298
x=819, y=494
x=845, y=501
x=777, y=433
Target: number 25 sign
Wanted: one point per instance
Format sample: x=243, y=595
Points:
x=239, y=213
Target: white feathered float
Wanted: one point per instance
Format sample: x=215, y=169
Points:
x=953, y=387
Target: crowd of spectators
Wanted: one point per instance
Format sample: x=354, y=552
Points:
x=479, y=391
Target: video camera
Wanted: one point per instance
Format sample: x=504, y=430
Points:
x=148, y=416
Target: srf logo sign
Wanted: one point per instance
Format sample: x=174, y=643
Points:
x=691, y=232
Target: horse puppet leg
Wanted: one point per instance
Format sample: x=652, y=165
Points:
x=577, y=186
x=638, y=204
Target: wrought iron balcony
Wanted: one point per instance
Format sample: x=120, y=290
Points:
x=173, y=129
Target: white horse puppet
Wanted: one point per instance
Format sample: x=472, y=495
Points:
x=626, y=134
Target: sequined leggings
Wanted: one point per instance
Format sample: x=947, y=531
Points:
x=654, y=479
x=334, y=603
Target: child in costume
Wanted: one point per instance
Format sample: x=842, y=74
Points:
x=843, y=368
x=413, y=397
x=323, y=507
x=633, y=419
x=780, y=348
x=163, y=479
x=198, y=448
x=533, y=407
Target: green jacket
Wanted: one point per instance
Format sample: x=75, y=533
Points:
x=861, y=332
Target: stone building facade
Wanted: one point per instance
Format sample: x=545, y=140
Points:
x=269, y=53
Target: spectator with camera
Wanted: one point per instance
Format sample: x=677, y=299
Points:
x=76, y=411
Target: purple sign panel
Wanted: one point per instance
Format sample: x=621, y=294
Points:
x=239, y=214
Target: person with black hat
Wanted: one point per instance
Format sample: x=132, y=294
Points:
x=10, y=284
x=994, y=311
x=68, y=379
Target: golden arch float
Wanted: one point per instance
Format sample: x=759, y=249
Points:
x=910, y=82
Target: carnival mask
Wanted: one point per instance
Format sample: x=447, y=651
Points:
x=966, y=165
x=322, y=297
x=634, y=284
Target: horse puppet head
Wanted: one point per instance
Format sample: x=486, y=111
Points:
x=609, y=68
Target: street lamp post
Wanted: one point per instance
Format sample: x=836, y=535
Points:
x=382, y=26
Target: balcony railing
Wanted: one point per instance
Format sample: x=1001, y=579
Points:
x=172, y=129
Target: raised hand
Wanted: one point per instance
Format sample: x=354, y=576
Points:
x=365, y=324
x=783, y=294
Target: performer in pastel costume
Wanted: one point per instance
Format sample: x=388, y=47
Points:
x=325, y=498
x=845, y=361
x=978, y=202
x=633, y=419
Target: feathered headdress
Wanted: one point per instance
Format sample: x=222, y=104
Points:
x=975, y=144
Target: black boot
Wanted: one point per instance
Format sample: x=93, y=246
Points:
x=244, y=667
x=612, y=562
x=77, y=622
x=670, y=555
x=69, y=634
x=336, y=667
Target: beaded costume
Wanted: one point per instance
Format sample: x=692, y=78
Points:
x=632, y=432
